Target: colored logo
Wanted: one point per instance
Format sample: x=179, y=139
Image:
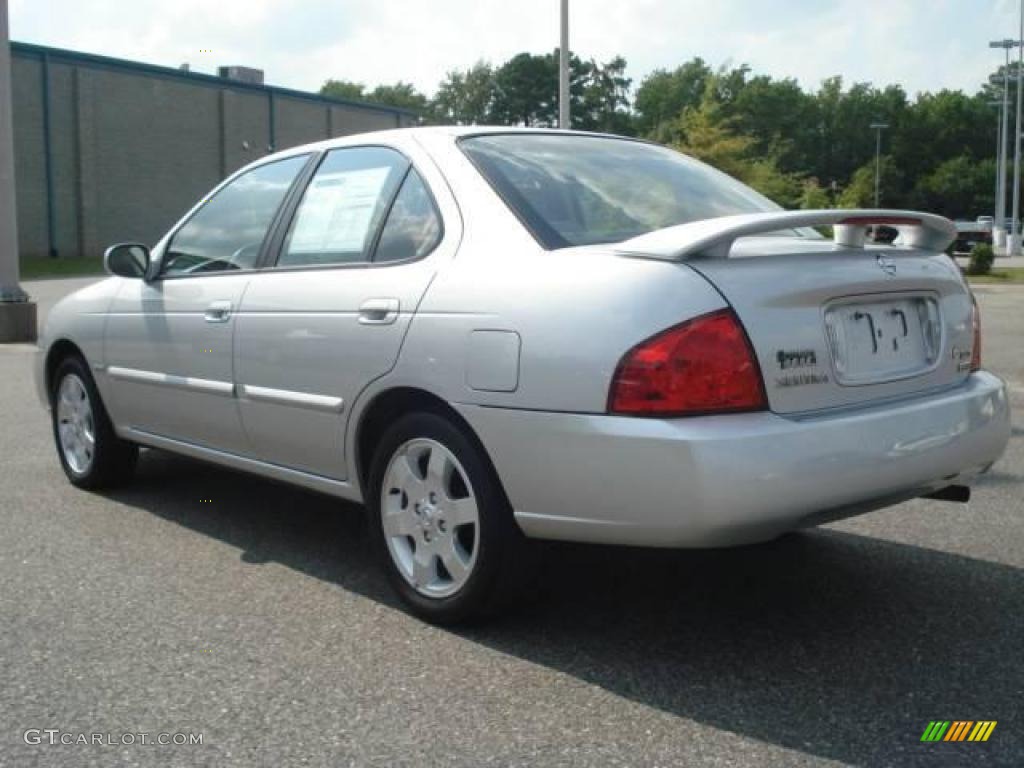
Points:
x=958, y=730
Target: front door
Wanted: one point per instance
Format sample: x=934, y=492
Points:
x=168, y=342
x=330, y=316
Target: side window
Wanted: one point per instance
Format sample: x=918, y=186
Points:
x=413, y=227
x=342, y=208
x=227, y=231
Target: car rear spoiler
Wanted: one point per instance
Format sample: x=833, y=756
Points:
x=713, y=238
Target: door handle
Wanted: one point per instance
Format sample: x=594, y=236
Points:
x=218, y=312
x=378, y=311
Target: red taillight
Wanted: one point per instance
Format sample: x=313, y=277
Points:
x=705, y=365
x=976, y=328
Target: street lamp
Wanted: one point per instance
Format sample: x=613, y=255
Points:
x=563, y=71
x=1000, y=142
x=1014, y=243
x=999, y=226
x=878, y=128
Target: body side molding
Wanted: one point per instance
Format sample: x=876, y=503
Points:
x=209, y=386
x=313, y=402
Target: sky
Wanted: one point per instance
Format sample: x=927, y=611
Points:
x=923, y=45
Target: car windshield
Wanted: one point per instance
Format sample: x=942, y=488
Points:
x=579, y=190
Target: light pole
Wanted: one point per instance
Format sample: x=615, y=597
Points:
x=999, y=226
x=1014, y=244
x=999, y=181
x=563, y=71
x=17, y=313
x=878, y=128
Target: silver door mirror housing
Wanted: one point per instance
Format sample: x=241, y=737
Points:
x=127, y=260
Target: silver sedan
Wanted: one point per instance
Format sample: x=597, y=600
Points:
x=491, y=336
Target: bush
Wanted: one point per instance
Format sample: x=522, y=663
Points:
x=982, y=257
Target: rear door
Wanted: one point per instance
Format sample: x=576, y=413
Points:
x=168, y=342
x=330, y=315
x=836, y=327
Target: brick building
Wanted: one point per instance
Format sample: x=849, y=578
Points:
x=108, y=150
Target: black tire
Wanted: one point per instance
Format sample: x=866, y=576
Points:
x=505, y=565
x=113, y=459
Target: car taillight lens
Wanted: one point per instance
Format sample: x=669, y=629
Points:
x=704, y=366
x=976, y=328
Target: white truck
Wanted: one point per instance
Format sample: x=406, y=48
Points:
x=972, y=233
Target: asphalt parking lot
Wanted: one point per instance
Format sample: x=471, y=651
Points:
x=258, y=620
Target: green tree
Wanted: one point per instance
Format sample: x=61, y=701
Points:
x=401, y=95
x=703, y=133
x=603, y=104
x=845, y=140
x=941, y=126
x=706, y=135
x=768, y=132
x=344, y=89
x=525, y=91
x=466, y=97
x=763, y=174
x=960, y=188
x=812, y=196
x=664, y=95
x=728, y=85
x=992, y=88
x=860, y=192
x=781, y=118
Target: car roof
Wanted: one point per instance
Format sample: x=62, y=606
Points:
x=473, y=130
x=448, y=131
x=391, y=135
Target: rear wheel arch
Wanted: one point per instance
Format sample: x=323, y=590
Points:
x=391, y=405
x=417, y=527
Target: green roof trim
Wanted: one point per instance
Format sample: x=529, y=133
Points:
x=198, y=78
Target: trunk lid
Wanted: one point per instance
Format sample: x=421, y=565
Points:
x=838, y=327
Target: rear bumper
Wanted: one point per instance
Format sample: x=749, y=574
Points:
x=723, y=480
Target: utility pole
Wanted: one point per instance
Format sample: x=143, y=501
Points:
x=999, y=226
x=1000, y=141
x=17, y=313
x=563, y=71
x=878, y=128
x=1014, y=244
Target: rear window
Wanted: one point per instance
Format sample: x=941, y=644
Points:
x=580, y=190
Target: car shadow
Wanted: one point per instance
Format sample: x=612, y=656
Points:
x=837, y=645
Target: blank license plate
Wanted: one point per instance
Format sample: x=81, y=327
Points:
x=876, y=341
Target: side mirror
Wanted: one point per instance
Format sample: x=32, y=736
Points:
x=127, y=260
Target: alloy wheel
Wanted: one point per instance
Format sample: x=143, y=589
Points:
x=76, y=426
x=430, y=518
